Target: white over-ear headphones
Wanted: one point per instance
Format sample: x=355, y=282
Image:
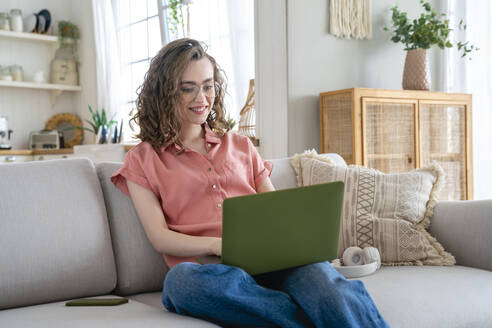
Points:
x=358, y=262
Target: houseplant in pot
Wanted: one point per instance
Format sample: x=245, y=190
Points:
x=418, y=35
x=64, y=65
x=100, y=125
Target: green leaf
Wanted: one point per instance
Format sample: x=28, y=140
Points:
x=95, y=116
x=429, y=29
x=103, y=117
x=94, y=127
x=395, y=39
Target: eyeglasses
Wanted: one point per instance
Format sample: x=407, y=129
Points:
x=189, y=91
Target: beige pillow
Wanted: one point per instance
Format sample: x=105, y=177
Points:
x=387, y=211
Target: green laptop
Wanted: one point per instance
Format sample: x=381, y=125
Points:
x=277, y=230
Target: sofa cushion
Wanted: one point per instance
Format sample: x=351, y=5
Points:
x=432, y=296
x=153, y=299
x=54, y=233
x=283, y=175
x=132, y=314
x=388, y=211
x=423, y=296
x=140, y=268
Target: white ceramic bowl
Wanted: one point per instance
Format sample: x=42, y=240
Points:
x=355, y=271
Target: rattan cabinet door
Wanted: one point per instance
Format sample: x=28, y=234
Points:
x=443, y=139
x=336, y=125
x=389, y=134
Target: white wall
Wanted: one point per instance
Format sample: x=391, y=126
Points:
x=271, y=77
x=317, y=62
x=27, y=109
x=82, y=16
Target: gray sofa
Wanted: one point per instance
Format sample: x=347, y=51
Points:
x=66, y=232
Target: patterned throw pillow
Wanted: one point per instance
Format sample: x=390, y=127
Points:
x=388, y=211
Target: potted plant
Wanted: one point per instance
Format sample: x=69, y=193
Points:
x=100, y=125
x=64, y=65
x=418, y=35
x=68, y=34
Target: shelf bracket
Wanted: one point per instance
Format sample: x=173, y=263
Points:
x=53, y=95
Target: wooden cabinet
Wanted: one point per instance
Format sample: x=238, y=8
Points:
x=399, y=130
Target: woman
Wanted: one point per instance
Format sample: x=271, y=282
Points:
x=178, y=177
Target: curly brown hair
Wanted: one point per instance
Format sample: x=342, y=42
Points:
x=158, y=96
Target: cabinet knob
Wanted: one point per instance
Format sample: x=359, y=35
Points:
x=40, y=158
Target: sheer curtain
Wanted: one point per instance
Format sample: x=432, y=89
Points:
x=473, y=76
x=107, y=59
x=226, y=26
x=124, y=27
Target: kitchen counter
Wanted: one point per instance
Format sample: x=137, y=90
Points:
x=46, y=152
x=37, y=152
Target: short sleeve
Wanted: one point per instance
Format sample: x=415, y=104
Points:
x=261, y=168
x=133, y=170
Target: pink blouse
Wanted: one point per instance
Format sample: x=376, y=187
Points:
x=191, y=187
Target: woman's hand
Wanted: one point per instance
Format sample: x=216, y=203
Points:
x=216, y=247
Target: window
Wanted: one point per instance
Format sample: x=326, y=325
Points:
x=139, y=39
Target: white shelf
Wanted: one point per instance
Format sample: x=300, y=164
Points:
x=54, y=89
x=43, y=86
x=29, y=36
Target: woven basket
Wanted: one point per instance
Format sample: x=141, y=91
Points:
x=416, y=75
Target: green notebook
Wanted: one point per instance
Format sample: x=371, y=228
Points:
x=277, y=230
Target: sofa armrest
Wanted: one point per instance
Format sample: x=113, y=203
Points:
x=464, y=228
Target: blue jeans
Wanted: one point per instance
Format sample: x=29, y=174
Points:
x=315, y=295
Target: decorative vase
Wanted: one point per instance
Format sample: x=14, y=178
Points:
x=416, y=74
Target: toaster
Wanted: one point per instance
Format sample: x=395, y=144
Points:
x=44, y=139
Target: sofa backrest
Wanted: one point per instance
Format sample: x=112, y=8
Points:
x=139, y=267
x=284, y=176
x=54, y=234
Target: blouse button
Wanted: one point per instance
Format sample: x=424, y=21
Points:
x=219, y=205
x=208, y=145
x=214, y=186
x=209, y=169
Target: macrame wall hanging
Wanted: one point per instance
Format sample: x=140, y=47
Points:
x=351, y=19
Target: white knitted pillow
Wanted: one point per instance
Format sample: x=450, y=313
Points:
x=387, y=211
